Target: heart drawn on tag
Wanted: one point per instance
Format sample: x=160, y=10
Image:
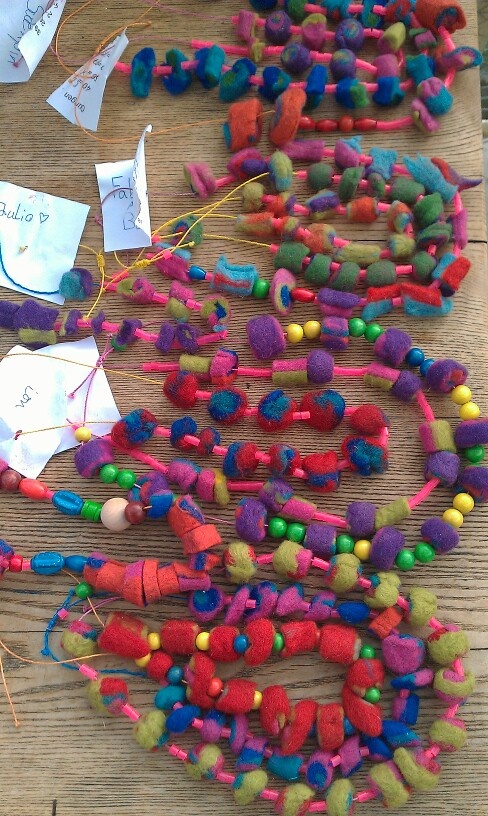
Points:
x=43, y=217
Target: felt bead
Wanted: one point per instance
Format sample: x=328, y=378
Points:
x=403, y=654
x=292, y=560
x=206, y=604
x=319, y=176
x=385, y=546
x=343, y=573
x=398, y=735
x=315, y=86
x=290, y=601
x=274, y=494
x=275, y=710
x=178, y=637
x=330, y=726
x=345, y=278
x=150, y=730
x=288, y=109
x=360, y=518
x=265, y=337
x=474, y=480
x=350, y=756
x=326, y=409
x=392, y=346
x=237, y=606
x=343, y=64
x=301, y=719
x=449, y=733
x=334, y=333
x=385, y=780
x=322, y=472
x=179, y=79
x=244, y=124
x=92, y=456
x=320, y=539
x=437, y=436
x=383, y=592
x=319, y=770
x=275, y=411
x=444, y=466
x=378, y=749
x=471, y=432
x=108, y=695
x=204, y=762
x=441, y=535
x=349, y=34
x=237, y=697
x=265, y=595
x=295, y=58
x=227, y=405
x=364, y=716
x=340, y=798
x=180, y=388
x=321, y=203
x=260, y=637
x=280, y=171
x=290, y=256
x=281, y=288
x=447, y=645
x=134, y=429
x=419, y=771
x=283, y=460
x=277, y=28
x=213, y=724
x=76, y=284
x=124, y=635
x=240, y=562
x=294, y=800
x=314, y=29
x=365, y=455
x=368, y=419
x=248, y=786
x=349, y=183
x=80, y=639
x=364, y=674
x=233, y=279
x=406, y=709
x=320, y=606
x=252, y=754
x=240, y=460
x=422, y=606
x=223, y=367
x=338, y=305
x=452, y=687
x=353, y=612
x=299, y=637
x=363, y=210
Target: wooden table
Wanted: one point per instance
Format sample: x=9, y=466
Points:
x=63, y=752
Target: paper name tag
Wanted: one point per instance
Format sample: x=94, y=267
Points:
x=79, y=99
x=26, y=30
x=125, y=205
x=39, y=238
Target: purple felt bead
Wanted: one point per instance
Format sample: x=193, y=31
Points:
x=360, y=516
x=93, y=455
x=296, y=58
x=212, y=727
x=71, y=322
x=385, y=546
x=345, y=154
x=246, y=24
x=443, y=465
x=343, y=64
x=321, y=606
x=265, y=337
x=127, y=331
x=319, y=770
x=393, y=346
x=308, y=150
x=31, y=315
x=441, y=535
x=320, y=367
x=444, y=375
x=323, y=201
x=350, y=754
x=243, y=163
x=8, y=311
x=184, y=473
x=314, y=33
x=403, y=654
x=266, y=596
x=165, y=337
x=334, y=333
x=238, y=733
x=320, y=538
x=277, y=28
x=250, y=520
x=406, y=386
x=474, y=480
x=386, y=65
x=205, y=605
x=471, y=432
x=291, y=601
x=350, y=34
x=187, y=336
x=237, y=606
x=152, y=483
x=223, y=365
x=97, y=323
x=334, y=303
x=275, y=493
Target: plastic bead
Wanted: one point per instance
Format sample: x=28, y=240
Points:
x=475, y=454
x=83, y=590
x=260, y=289
x=367, y=652
x=215, y=687
x=463, y=502
x=258, y=699
x=126, y=479
x=362, y=549
x=154, y=641
x=453, y=517
x=68, y=503
x=372, y=695
x=83, y=434
x=47, y=563
x=425, y=366
x=15, y=563
x=469, y=411
x=405, y=560
x=311, y=329
x=142, y=662
x=344, y=543
x=372, y=332
x=174, y=675
x=415, y=357
x=108, y=474
x=202, y=641
x=294, y=333
x=278, y=642
x=296, y=532
x=91, y=510
x=277, y=527
x=357, y=327
x=461, y=394
x=241, y=643
x=75, y=563
x=424, y=552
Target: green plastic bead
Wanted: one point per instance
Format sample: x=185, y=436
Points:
x=83, y=590
x=405, y=560
x=372, y=695
x=109, y=473
x=277, y=527
x=91, y=510
x=296, y=532
x=424, y=552
x=367, y=652
x=126, y=479
x=357, y=327
x=260, y=289
x=372, y=332
x=278, y=642
x=118, y=346
x=344, y=543
x=475, y=454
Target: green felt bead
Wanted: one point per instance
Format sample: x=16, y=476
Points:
x=475, y=454
x=260, y=289
x=117, y=346
x=91, y=510
x=126, y=479
x=372, y=695
x=367, y=652
x=346, y=277
x=423, y=264
x=109, y=473
x=296, y=532
x=357, y=327
x=278, y=642
x=318, y=270
x=319, y=176
x=277, y=527
x=344, y=543
x=372, y=332
x=424, y=552
x=290, y=256
x=83, y=590
x=405, y=560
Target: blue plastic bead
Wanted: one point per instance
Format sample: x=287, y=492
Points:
x=286, y=767
x=424, y=367
x=174, y=675
x=415, y=357
x=168, y=696
x=75, y=563
x=197, y=273
x=70, y=504
x=241, y=643
x=47, y=563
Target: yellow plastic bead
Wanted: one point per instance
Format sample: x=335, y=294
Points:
x=202, y=641
x=469, y=411
x=311, y=329
x=83, y=434
x=143, y=661
x=453, y=517
x=461, y=394
x=463, y=502
x=153, y=641
x=294, y=332
x=362, y=549
x=258, y=699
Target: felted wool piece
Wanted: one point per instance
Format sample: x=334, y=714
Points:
x=265, y=337
x=406, y=709
x=384, y=623
x=8, y=311
x=350, y=756
x=280, y=171
x=309, y=150
x=206, y=604
x=124, y=635
x=237, y=606
x=320, y=366
x=443, y=465
x=361, y=253
x=365, y=673
x=240, y=562
x=320, y=238
x=240, y=460
x=321, y=606
x=301, y=720
x=337, y=304
x=204, y=762
x=385, y=546
x=178, y=636
x=227, y=405
x=423, y=606
x=406, y=386
x=381, y=273
x=346, y=277
x=403, y=654
x=277, y=28
x=364, y=716
x=392, y=513
x=244, y=124
x=365, y=454
x=339, y=644
x=314, y=29
x=76, y=284
x=275, y=493
x=378, y=749
x=452, y=687
x=392, y=346
x=184, y=516
x=274, y=710
x=299, y=636
x=248, y=786
x=260, y=634
x=343, y=573
x=294, y=800
x=471, y=432
x=441, y=535
x=198, y=674
x=319, y=770
x=339, y=798
x=360, y=518
x=288, y=109
x=150, y=731
x=385, y=780
x=350, y=93
x=282, y=285
x=420, y=772
x=322, y=471
x=291, y=560
x=283, y=460
x=319, y=176
x=475, y=481
x=290, y=256
x=291, y=601
x=330, y=726
x=238, y=733
x=321, y=204
x=237, y=697
x=69, y=324
x=275, y=81
x=398, y=735
x=295, y=58
x=252, y=755
x=350, y=34
x=320, y=539
x=368, y=419
x=158, y=666
x=353, y=612
x=447, y=645
x=447, y=13
x=221, y=645
x=275, y=411
x=449, y=733
x=453, y=272
x=334, y=333
x=349, y=183
x=423, y=264
x=180, y=388
x=80, y=639
x=92, y=456
x=108, y=695
x=183, y=472
x=265, y=595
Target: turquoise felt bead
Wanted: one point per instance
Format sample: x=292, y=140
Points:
x=168, y=696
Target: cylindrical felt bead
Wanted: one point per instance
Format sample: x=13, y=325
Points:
x=320, y=539
x=330, y=726
x=299, y=636
x=301, y=720
x=221, y=644
x=178, y=636
x=363, y=210
x=288, y=109
x=237, y=697
x=299, y=509
x=274, y=710
x=364, y=674
x=386, y=781
x=290, y=256
x=403, y=654
x=92, y=456
x=449, y=733
x=380, y=376
x=265, y=337
x=419, y=771
x=336, y=304
x=471, y=432
x=406, y=386
x=334, y=333
x=392, y=513
x=392, y=346
x=406, y=709
x=252, y=754
x=343, y=573
x=442, y=536
x=124, y=635
x=437, y=436
x=385, y=546
x=184, y=516
x=385, y=622
x=339, y=644
x=260, y=636
x=444, y=375
x=474, y=480
x=244, y=124
x=360, y=518
x=280, y=291
x=443, y=465
x=381, y=273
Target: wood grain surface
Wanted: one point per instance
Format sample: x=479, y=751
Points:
x=63, y=758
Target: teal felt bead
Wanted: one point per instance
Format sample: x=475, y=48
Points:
x=168, y=696
x=286, y=767
x=141, y=73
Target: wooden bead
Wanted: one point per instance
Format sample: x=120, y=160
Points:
x=134, y=512
x=113, y=515
x=10, y=480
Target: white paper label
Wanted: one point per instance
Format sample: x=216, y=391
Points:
x=79, y=99
x=39, y=238
x=26, y=29
x=125, y=205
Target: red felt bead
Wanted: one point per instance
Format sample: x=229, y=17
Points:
x=274, y=711
x=180, y=388
x=221, y=644
x=326, y=125
x=376, y=293
x=302, y=719
x=302, y=295
x=364, y=716
x=339, y=644
x=199, y=674
x=15, y=563
x=368, y=419
x=134, y=512
x=158, y=666
x=364, y=674
x=385, y=622
x=125, y=636
x=330, y=726
x=178, y=636
x=322, y=471
x=423, y=294
x=306, y=123
x=260, y=634
x=237, y=697
x=10, y=480
x=365, y=124
x=346, y=124
x=299, y=636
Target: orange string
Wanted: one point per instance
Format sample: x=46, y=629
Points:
x=7, y=693
x=49, y=662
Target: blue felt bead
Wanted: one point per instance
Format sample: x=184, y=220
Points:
x=168, y=696
x=368, y=17
x=399, y=735
x=75, y=563
x=286, y=767
x=263, y=5
x=209, y=65
x=241, y=643
x=226, y=404
x=424, y=367
x=349, y=729
x=181, y=718
x=179, y=80
x=383, y=162
x=353, y=611
x=415, y=308
x=235, y=83
x=315, y=87
x=419, y=67
x=378, y=749
x=415, y=357
x=141, y=73
x=70, y=504
x=180, y=427
x=275, y=81
x=233, y=279
x=410, y=709
x=375, y=309
x=388, y=91
x=47, y=563
x=160, y=504
x=174, y=676
x=197, y=273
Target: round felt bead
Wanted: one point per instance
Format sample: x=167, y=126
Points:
x=292, y=560
x=283, y=460
x=296, y=58
x=240, y=460
x=314, y=31
x=180, y=388
x=443, y=465
x=322, y=471
x=281, y=288
x=368, y=419
x=343, y=573
x=93, y=456
x=444, y=375
x=275, y=411
x=360, y=517
x=265, y=336
x=80, y=639
x=349, y=34
x=403, y=654
x=474, y=480
x=250, y=520
x=343, y=64
x=326, y=409
x=385, y=546
x=134, y=429
x=240, y=562
x=277, y=27
x=339, y=644
x=227, y=405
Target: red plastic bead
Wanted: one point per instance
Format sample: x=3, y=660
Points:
x=134, y=512
x=15, y=563
x=306, y=123
x=302, y=295
x=215, y=687
x=326, y=125
x=32, y=488
x=346, y=124
x=10, y=480
x=366, y=124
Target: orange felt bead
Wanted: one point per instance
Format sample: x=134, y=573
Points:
x=363, y=210
x=288, y=111
x=244, y=124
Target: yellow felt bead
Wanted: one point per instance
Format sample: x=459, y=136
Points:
x=294, y=332
x=463, y=502
x=143, y=661
x=153, y=641
x=453, y=517
x=311, y=329
x=202, y=641
x=83, y=434
x=461, y=394
x=258, y=699
x=469, y=411
x=362, y=549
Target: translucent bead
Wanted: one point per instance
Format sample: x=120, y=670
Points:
x=311, y=329
x=453, y=517
x=294, y=332
x=461, y=394
x=113, y=515
x=463, y=502
x=469, y=411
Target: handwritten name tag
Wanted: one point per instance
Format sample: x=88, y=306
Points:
x=26, y=29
